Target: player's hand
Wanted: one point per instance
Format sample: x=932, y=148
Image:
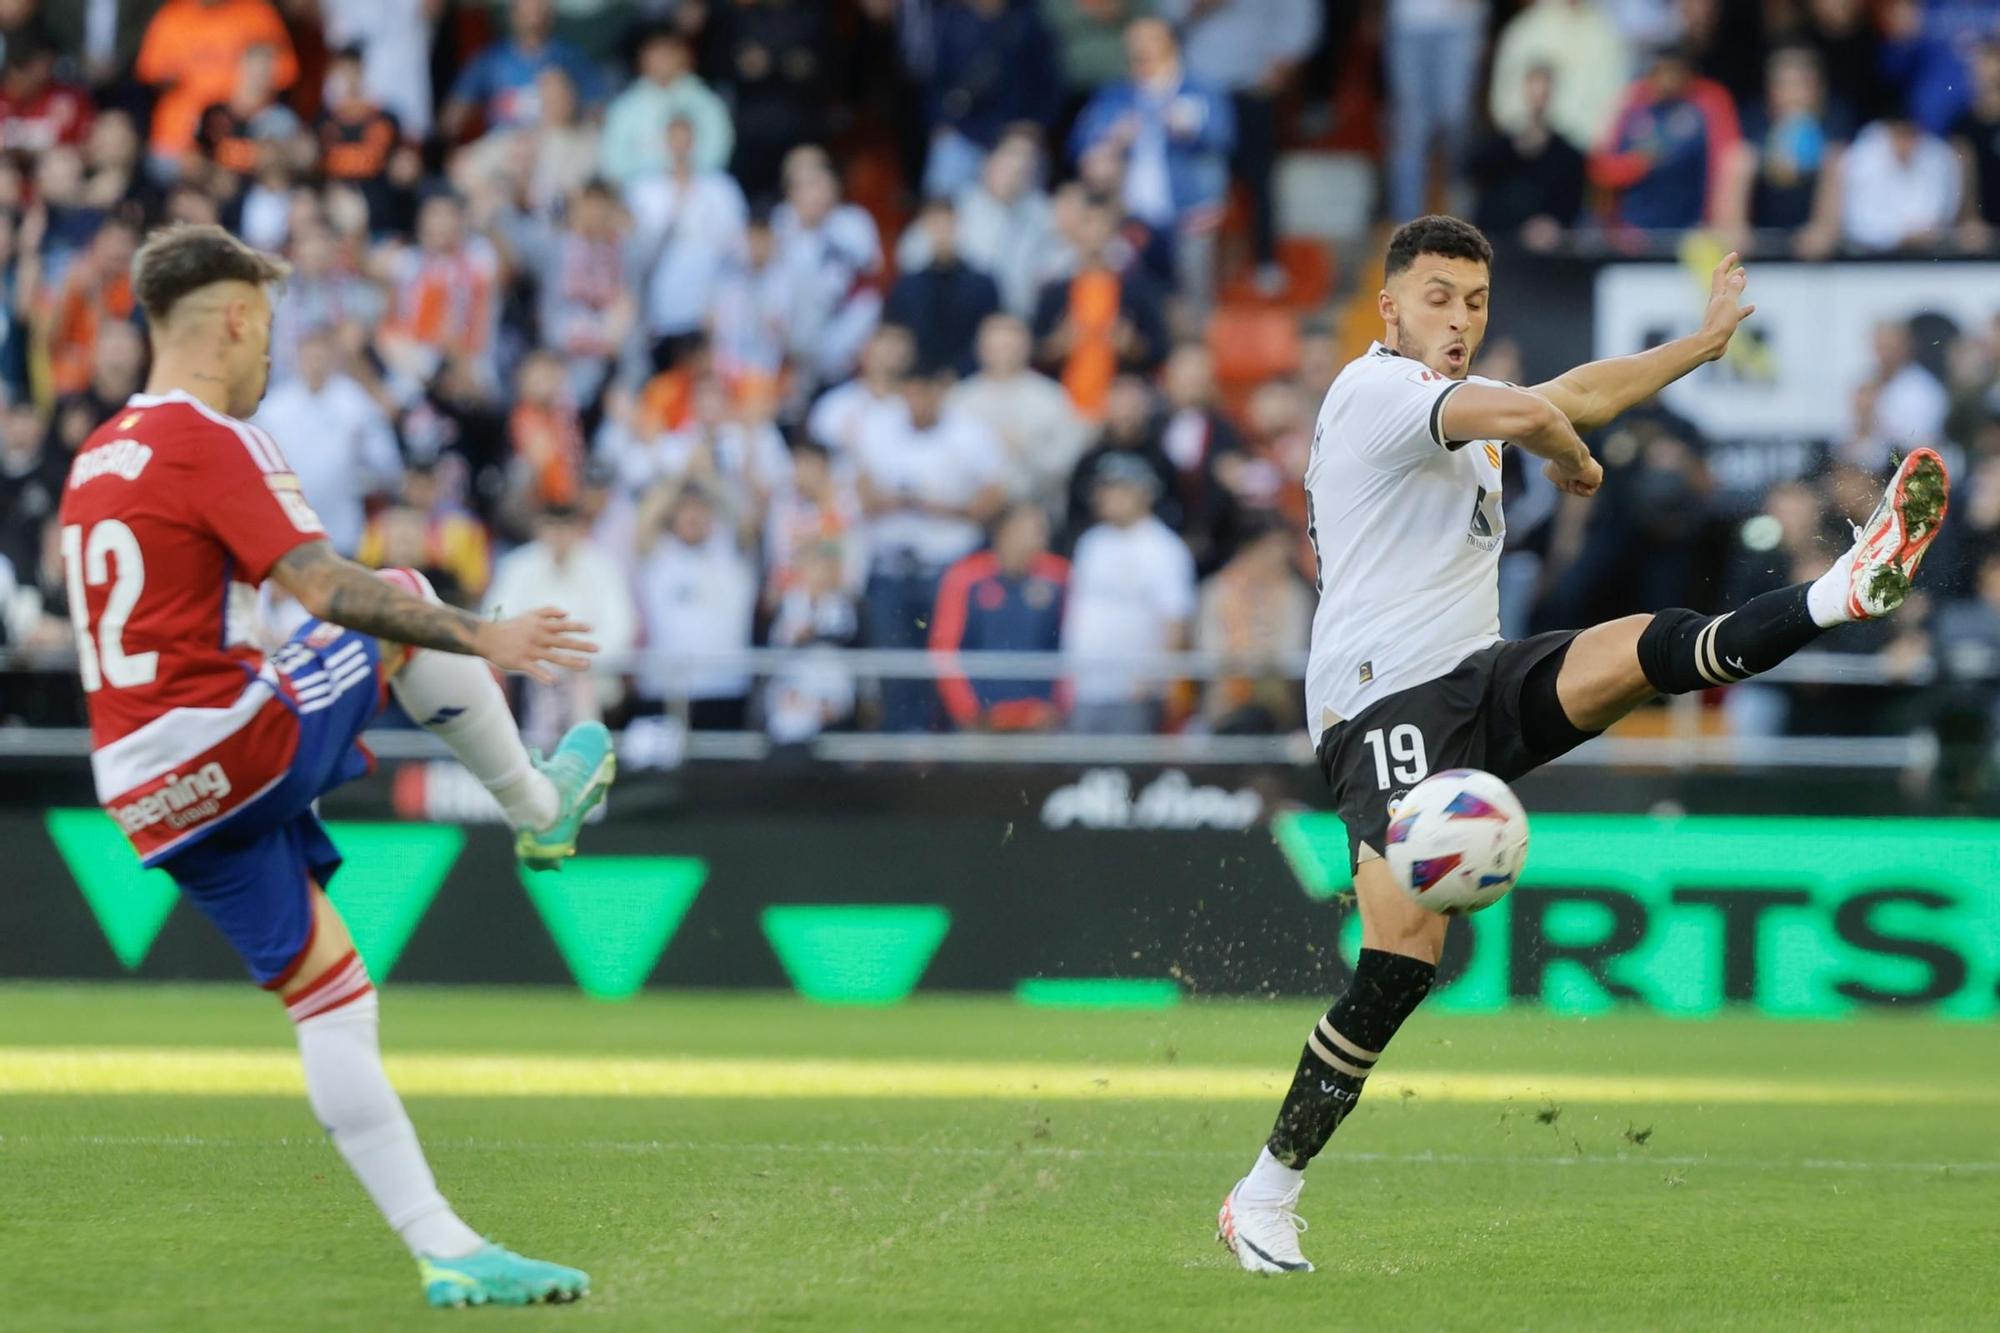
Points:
x=1725, y=304
x=535, y=642
x=1577, y=478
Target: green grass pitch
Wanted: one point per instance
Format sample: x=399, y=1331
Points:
x=1715, y=1175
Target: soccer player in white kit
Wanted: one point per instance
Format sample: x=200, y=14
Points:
x=1408, y=674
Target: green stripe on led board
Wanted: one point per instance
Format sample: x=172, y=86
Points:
x=1099, y=992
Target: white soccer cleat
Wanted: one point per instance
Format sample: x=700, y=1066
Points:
x=1891, y=544
x=1263, y=1237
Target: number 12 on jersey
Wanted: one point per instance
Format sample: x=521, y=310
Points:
x=1405, y=745
x=104, y=661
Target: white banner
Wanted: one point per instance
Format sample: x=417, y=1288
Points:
x=1811, y=341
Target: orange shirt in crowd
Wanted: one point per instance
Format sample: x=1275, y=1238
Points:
x=191, y=51
x=550, y=438
x=445, y=301
x=74, y=314
x=1092, y=362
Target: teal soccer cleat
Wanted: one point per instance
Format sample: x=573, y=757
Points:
x=492, y=1275
x=581, y=769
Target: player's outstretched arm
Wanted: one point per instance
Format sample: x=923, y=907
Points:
x=334, y=588
x=1592, y=395
x=1474, y=411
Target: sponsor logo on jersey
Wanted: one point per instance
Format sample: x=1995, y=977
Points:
x=178, y=802
x=117, y=458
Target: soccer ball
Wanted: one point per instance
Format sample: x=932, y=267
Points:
x=1457, y=841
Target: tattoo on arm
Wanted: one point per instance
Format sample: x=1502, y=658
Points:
x=335, y=588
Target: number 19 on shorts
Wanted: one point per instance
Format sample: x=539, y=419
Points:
x=1404, y=745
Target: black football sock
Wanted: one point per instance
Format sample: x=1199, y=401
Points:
x=1342, y=1050
x=1683, y=651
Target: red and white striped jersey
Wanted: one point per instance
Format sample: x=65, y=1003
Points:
x=172, y=516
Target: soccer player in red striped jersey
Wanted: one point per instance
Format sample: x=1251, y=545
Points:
x=209, y=753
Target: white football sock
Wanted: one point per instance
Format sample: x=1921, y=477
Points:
x=1271, y=1182
x=351, y=1095
x=455, y=698
x=1826, y=600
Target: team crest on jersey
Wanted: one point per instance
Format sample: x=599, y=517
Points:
x=1367, y=672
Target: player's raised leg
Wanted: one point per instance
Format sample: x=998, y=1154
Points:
x=456, y=698
x=1612, y=668
x=331, y=1001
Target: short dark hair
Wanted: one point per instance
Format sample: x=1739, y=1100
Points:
x=1437, y=234
x=181, y=259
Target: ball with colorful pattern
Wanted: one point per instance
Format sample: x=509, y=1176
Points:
x=1457, y=841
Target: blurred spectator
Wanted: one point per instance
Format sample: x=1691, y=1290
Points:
x=741, y=462
x=32, y=472
x=1128, y=434
x=817, y=612
x=750, y=316
x=667, y=90
x=1530, y=179
x=1027, y=411
x=1432, y=58
x=238, y=135
x=501, y=87
x=1901, y=187
x=1978, y=136
x=1785, y=174
x=1250, y=49
x=115, y=176
x=1277, y=442
x=191, y=54
x=943, y=302
x=1132, y=592
x=322, y=293
x=1321, y=357
x=697, y=597
x=563, y=567
x=1667, y=151
x=993, y=66
x=116, y=366
x=686, y=222
x=361, y=144
x=459, y=415
x=96, y=287
x=1901, y=407
x=843, y=414
x=1005, y=226
x=1173, y=135
x=393, y=39
x=773, y=58
x=426, y=528
x=36, y=112
x=1921, y=65
x=1199, y=439
x=929, y=477
x=832, y=255
x=818, y=510
x=1587, y=59
x=1842, y=34
x=1007, y=599
x=1256, y=615
x=546, y=433
x=1090, y=35
x=586, y=309
x=1099, y=321
x=445, y=297
x=337, y=440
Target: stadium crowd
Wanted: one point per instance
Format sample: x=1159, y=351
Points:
x=899, y=323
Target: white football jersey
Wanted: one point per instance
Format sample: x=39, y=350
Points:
x=1408, y=530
